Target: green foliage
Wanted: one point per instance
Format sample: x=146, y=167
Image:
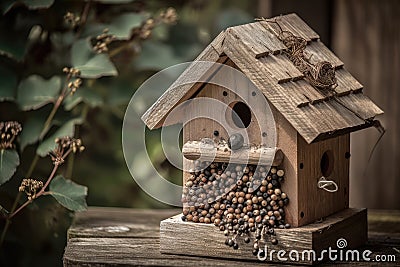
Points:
x=35, y=92
x=65, y=130
x=36, y=43
x=90, y=64
x=32, y=129
x=9, y=161
x=121, y=26
x=69, y=194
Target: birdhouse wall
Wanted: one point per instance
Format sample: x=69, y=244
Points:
x=199, y=128
x=287, y=142
x=328, y=158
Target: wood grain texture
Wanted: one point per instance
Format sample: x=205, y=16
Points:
x=283, y=69
x=194, y=150
x=316, y=51
x=252, y=49
x=293, y=23
x=178, y=237
x=315, y=203
x=92, y=248
x=117, y=222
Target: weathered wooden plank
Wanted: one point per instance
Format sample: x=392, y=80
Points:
x=361, y=105
x=218, y=42
x=206, y=240
x=281, y=67
x=304, y=88
x=135, y=252
x=346, y=82
x=258, y=39
x=294, y=24
x=316, y=51
x=268, y=84
x=193, y=150
x=310, y=155
x=95, y=250
x=117, y=222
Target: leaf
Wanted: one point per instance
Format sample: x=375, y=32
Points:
x=69, y=194
x=156, y=56
x=9, y=161
x=8, y=84
x=38, y=4
x=31, y=4
x=66, y=130
x=122, y=26
x=32, y=129
x=35, y=92
x=98, y=66
x=90, y=64
x=83, y=94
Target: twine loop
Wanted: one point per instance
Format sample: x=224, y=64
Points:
x=325, y=184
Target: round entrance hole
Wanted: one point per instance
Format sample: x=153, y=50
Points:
x=327, y=163
x=240, y=114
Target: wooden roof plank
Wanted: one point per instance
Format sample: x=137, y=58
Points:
x=361, y=105
x=267, y=38
x=253, y=41
x=281, y=67
x=346, y=82
x=317, y=52
x=218, y=42
x=275, y=94
x=304, y=88
x=243, y=45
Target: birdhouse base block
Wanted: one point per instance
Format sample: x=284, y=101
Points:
x=340, y=232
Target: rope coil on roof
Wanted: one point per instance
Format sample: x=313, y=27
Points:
x=321, y=74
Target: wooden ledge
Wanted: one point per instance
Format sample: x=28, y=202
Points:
x=194, y=150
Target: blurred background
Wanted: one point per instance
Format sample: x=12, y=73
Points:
x=365, y=34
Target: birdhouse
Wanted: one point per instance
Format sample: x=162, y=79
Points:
x=267, y=110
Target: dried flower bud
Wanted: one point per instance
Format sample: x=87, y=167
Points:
x=169, y=16
x=103, y=40
x=72, y=20
x=30, y=187
x=8, y=132
x=65, y=145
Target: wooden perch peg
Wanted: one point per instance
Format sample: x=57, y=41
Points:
x=194, y=150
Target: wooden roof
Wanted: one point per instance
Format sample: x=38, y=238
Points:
x=257, y=52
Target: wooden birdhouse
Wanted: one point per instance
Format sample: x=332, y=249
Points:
x=313, y=104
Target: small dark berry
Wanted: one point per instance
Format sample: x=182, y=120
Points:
x=255, y=252
x=235, y=246
x=247, y=239
x=216, y=133
x=230, y=242
x=274, y=241
x=271, y=231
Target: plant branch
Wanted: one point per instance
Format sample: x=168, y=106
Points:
x=41, y=192
x=33, y=164
x=20, y=208
x=84, y=16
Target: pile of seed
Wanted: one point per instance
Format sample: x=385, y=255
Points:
x=239, y=199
